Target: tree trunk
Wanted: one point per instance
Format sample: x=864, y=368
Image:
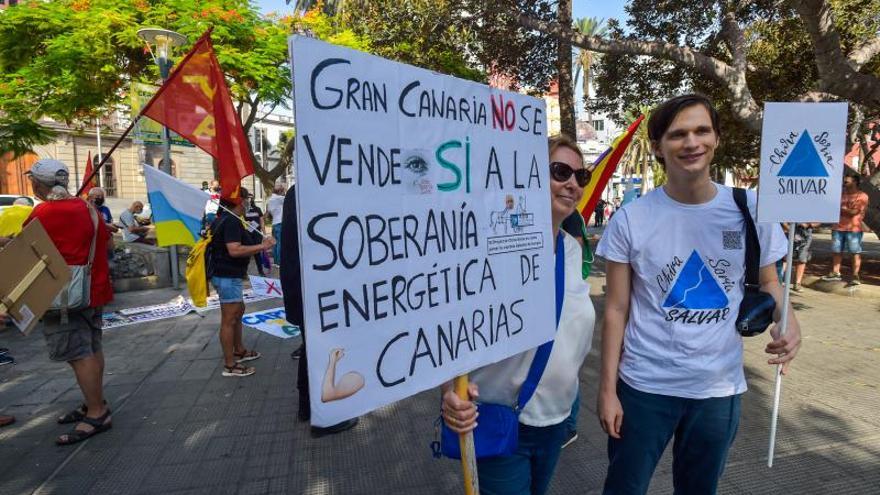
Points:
x=563, y=66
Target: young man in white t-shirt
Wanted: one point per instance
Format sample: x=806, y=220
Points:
x=672, y=360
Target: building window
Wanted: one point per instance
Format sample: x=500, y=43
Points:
x=109, y=176
x=599, y=125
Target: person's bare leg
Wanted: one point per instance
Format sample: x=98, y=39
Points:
x=835, y=262
x=239, y=344
x=856, y=264
x=799, y=268
x=228, y=314
x=89, y=377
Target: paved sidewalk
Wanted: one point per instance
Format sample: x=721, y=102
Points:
x=180, y=428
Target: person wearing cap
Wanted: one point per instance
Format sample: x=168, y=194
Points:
x=71, y=222
x=232, y=247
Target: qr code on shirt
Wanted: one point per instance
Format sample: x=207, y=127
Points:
x=732, y=239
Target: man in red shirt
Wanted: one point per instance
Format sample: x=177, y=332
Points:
x=847, y=234
x=69, y=222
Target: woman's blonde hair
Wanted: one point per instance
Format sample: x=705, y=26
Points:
x=565, y=141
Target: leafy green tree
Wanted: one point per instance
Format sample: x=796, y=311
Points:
x=424, y=33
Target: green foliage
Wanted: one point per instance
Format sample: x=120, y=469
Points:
x=780, y=59
x=72, y=60
x=19, y=136
x=424, y=33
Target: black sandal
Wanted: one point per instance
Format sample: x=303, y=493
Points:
x=74, y=416
x=75, y=436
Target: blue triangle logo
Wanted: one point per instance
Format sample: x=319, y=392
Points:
x=803, y=161
x=696, y=288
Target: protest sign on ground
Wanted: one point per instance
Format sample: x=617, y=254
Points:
x=272, y=321
x=264, y=286
x=425, y=226
x=802, y=149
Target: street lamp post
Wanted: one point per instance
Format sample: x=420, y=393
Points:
x=164, y=40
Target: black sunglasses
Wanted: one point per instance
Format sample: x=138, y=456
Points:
x=561, y=172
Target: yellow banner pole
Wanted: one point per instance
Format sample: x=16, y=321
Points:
x=466, y=444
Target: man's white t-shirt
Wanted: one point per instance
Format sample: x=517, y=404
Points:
x=688, y=269
x=127, y=220
x=551, y=403
x=275, y=207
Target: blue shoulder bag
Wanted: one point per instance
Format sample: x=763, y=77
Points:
x=498, y=430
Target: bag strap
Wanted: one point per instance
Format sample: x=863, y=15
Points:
x=94, y=217
x=753, y=247
x=542, y=355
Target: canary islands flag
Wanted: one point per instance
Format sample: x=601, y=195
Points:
x=177, y=208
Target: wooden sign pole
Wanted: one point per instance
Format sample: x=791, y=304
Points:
x=466, y=444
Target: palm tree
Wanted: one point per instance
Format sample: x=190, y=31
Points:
x=639, y=157
x=584, y=60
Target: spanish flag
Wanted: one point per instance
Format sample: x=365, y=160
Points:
x=177, y=207
x=603, y=168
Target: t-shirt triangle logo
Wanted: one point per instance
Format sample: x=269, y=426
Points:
x=803, y=161
x=695, y=287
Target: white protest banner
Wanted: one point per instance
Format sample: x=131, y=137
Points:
x=263, y=286
x=802, y=149
x=272, y=321
x=425, y=226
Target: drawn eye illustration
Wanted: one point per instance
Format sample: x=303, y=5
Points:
x=416, y=165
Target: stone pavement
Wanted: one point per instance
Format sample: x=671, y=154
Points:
x=181, y=428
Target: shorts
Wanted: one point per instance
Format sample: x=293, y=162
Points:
x=79, y=338
x=842, y=241
x=228, y=289
x=802, y=248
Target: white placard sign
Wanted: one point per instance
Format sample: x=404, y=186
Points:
x=802, y=149
x=425, y=226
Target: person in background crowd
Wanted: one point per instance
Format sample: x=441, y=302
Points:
x=847, y=234
x=71, y=222
x=253, y=215
x=213, y=204
x=12, y=219
x=803, y=240
x=232, y=247
x=132, y=230
x=599, y=213
x=291, y=278
x=275, y=209
x=96, y=198
x=205, y=187
x=672, y=360
x=543, y=419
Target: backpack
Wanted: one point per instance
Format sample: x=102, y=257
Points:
x=197, y=269
x=76, y=295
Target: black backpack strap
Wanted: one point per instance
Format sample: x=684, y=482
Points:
x=753, y=247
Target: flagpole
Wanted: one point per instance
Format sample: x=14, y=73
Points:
x=104, y=158
x=236, y=214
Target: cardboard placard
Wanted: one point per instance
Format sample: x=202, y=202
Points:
x=34, y=272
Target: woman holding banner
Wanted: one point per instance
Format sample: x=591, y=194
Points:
x=549, y=372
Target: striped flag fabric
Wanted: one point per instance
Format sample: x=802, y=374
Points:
x=177, y=207
x=603, y=169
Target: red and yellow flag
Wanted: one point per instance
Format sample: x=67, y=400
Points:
x=195, y=103
x=88, y=181
x=604, y=168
